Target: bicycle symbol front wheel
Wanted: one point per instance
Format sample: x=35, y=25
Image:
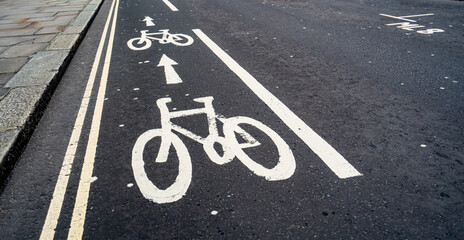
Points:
x=286, y=164
x=178, y=189
x=180, y=39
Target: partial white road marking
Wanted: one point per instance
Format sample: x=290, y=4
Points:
x=405, y=18
x=171, y=76
x=170, y=5
x=148, y=21
x=82, y=197
x=406, y=25
x=336, y=162
x=48, y=230
x=418, y=15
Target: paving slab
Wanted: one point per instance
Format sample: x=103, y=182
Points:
x=40, y=70
x=11, y=65
x=45, y=38
x=10, y=26
x=63, y=42
x=83, y=19
x=41, y=19
x=9, y=41
x=23, y=50
x=22, y=32
x=4, y=78
x=47, y=30
x=3, y=93
x=73, y=29
x=67, y=13
x=59, y=21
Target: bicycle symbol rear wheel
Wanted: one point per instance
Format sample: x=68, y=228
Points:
x=178, y=189
x=286, y=164
x=139, y=44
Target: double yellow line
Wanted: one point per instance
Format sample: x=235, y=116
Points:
x=80, y=206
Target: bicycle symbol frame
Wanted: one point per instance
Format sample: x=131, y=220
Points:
x=144, y=41
x=284, y=169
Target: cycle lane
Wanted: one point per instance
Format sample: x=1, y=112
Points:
x=135, y=82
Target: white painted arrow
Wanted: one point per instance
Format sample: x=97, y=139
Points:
x=148, y=21
x=171, y=76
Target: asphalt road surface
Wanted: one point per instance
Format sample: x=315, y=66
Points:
x=210, y=119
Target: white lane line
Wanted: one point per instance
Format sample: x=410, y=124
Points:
x=170, y=5
x=48, y=229
x=336, y=162
x=80, y=207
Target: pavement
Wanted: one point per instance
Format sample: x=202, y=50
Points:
x=37, y=41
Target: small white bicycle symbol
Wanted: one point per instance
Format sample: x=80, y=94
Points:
x=284, y=168
x=144, y=41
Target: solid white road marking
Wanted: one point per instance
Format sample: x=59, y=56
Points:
x=80, y=207
x=171, y=76
x=336, y=162
x=48, y=230
x=171, y=6
x=148, y=21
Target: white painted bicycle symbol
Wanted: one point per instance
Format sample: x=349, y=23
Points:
x=144, y=41
x=284, y=168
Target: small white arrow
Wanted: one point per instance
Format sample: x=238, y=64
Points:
x=171, y=76
x=148, y=21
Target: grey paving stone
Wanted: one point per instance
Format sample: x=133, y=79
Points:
x=21, y=15
x=54, y=10
x=63, y=42
x=6, y=21
x=22, y=32
x=82, y=19
x=17, y=106
x=67, y=13
x=74, y=29
x=11, y=26
x=4, y=78
x=18, y=20
x=40, y=70
x=95, y=2
x=7, y=139
x=11, y=65
x=91, y=7
x=9, y=41
x=41, y=19
x=23, y=50
x=3, y=92
x=59, y=21
x=2, y=49
x=45, y=38
x=47, y=30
